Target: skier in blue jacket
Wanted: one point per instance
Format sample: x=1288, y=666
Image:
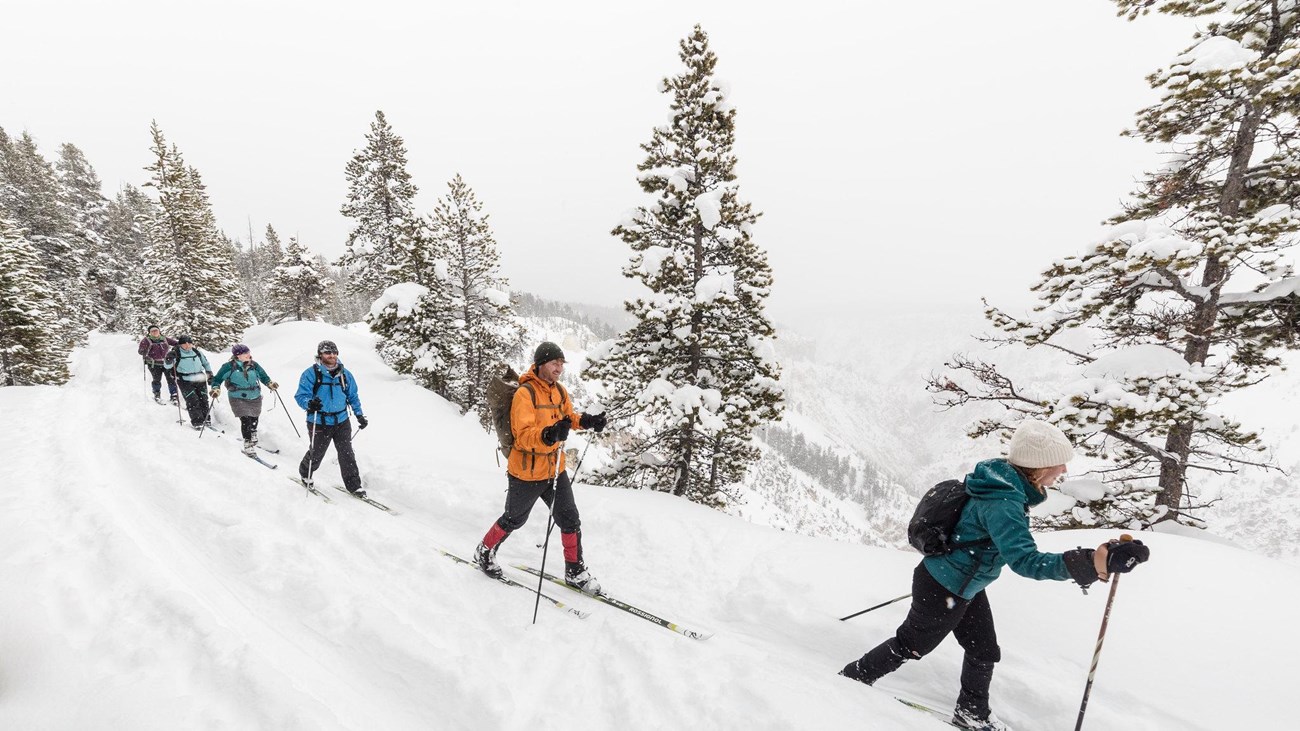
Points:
x=326, y=391
x=948, y=591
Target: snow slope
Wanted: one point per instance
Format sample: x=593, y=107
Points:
x=154, y=580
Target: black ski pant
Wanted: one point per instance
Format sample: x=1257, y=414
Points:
x=195, y=394
x=522, y=495
x=158, y=373
x=935, y=613
x=248, y=426
x=341, y=435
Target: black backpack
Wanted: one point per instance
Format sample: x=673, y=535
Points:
x=932, y=525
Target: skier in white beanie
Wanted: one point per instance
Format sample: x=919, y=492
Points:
x=948, y=594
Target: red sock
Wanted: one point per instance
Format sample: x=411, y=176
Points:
x=494, y=536
x=571, y=552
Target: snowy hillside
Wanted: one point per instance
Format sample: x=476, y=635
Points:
x=156, y=580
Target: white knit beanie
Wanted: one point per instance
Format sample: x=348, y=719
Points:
x=1039, y=444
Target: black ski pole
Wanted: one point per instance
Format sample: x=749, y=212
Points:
x=550, y=523
x=180, y=416
x=878, y=606
x=286, y=414
x=1101, y=637
x=311, y=452
x=207, y=418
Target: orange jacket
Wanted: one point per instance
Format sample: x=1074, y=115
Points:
x=531, y=459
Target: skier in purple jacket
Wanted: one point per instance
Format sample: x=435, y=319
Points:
x=153, y=348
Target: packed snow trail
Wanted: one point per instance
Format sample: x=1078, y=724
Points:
x=150, y=579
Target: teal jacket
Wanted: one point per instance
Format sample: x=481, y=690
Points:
x=998, y=510
x=243, y=379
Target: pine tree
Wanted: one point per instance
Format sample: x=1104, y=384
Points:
x=256, y=265
x=343, y=304
x=1185, y=298
x=298, y=287
x=484, y=331
x=698, y=365
x=30, y=347
x=415, y=324
x=381, y=199
x=191, y=265
x=126, y=233
x=32, y=196
x=88, y=208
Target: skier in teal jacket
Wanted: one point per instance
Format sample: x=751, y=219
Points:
x=245, y=377
x=948, y=591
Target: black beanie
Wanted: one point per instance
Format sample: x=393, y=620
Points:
x=547, y=352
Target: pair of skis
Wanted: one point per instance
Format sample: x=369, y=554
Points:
x=312, y=489
x=604, y=598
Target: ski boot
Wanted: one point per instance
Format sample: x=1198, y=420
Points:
x=577, y=576
x=250, y=447
x=971, y=720
x=486, y=558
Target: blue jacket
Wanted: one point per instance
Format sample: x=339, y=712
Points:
x=336, y=393
x=191, y=366
x=243, y=379
x=998, y=509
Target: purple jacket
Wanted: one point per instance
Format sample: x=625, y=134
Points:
x=155, y=351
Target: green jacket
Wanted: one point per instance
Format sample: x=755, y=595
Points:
x=998, y=509
x=243, y=379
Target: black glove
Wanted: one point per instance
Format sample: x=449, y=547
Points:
x=592, y=421
x=362, y=422
x=1121, y=557
x=314, y=405
x=557, y=432
x=1079, y=563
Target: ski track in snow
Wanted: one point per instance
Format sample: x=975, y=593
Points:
x=155, y=580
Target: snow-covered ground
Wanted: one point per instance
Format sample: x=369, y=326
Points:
x=150, y=579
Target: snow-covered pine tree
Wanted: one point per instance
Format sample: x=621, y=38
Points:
x=343, y=304
x=32, y=196
x=88, y=208
x=31, y=350
x=298, y=287
x=485, y=332
x=128, y=216
x=266, y=259
x=1186, y=297
x=191, y=267
x=698, y=365
x=381, y=200
x=256, y=265
x=416, y=320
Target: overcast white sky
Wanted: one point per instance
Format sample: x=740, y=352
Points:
x=902, y=153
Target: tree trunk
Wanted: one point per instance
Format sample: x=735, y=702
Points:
x=1173, y=471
